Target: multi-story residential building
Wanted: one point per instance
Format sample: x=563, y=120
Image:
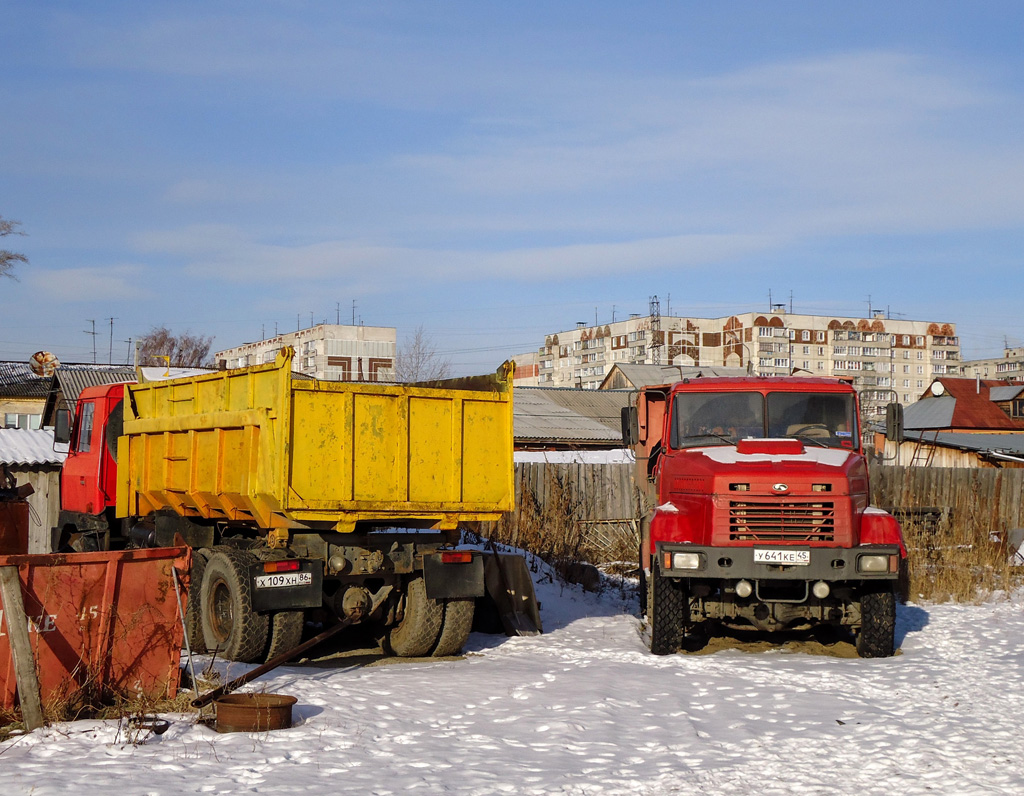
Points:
x=886, y=359
x=325, y=351
x=1009, y=367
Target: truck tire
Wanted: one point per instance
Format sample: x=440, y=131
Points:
x=455, y=628
x=193, y=614
x=417, y=633
x=231, y=628
x=669, y=610
x=877, y=636
x=285, y=632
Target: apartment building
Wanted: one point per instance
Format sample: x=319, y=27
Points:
x=1009, y=367
x=887, y=359
x=325, y=351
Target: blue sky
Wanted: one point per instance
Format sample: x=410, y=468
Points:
x=495, y=171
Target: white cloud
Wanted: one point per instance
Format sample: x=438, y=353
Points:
x=98, y=283
x=225, y=255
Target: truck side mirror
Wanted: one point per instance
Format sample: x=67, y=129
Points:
x=894, y=422
x=62, y=428
x=630, y=426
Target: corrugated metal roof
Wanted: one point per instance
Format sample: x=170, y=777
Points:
x=27, y=447
x=539, y=418
x=981, y=443
x=604, y=406
x=74, y=380
x=18, y=381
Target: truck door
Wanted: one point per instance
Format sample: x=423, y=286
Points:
x=80, y=477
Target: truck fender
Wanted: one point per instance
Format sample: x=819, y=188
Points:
x=880, y=527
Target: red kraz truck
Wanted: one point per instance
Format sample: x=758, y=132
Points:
x=759, y=514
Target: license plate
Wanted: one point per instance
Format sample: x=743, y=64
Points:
x=280, y=579
x=799, y=558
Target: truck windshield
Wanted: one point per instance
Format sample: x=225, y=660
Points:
x=723, y=418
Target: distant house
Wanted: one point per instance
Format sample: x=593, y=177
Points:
x=22, y=395
x=961, y=422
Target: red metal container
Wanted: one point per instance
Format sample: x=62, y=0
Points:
x=102, y=623
x=13, y=527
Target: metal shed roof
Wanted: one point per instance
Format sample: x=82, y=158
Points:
x=1012, y=444
x=1007, y=393
x=930, y=413
x=28, y=447
x=642, y=375
x=18, y=381
x=540, y=416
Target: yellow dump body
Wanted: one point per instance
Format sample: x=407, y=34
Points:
x=258, y=445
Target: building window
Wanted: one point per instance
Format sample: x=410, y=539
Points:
x=805, y=335
x=22, y=421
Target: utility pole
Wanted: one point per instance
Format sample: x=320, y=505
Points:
x=128, y=356
x=655, y=346
x=110, y=354
x=337, y=309
x=93, y=333
x=353, y=312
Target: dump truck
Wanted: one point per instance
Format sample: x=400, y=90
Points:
x=301, y=500
x=758, y=512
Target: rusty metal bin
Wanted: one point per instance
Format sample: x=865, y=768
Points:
x=104, y=623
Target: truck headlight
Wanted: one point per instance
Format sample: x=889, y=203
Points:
x=683, y=560
x=873, y=564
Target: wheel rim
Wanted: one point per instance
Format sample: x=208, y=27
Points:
x=221, y=613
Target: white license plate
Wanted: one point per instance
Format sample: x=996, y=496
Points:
x=799, y=558
x=280, y=579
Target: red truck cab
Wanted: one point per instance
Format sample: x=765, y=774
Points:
x=88, y=481
x=758, y=510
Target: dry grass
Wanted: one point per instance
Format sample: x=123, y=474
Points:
x=86, y=703
x=959, y=560
x=551, y=528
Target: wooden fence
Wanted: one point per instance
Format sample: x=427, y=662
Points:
x=604, y=504
x=987, y=497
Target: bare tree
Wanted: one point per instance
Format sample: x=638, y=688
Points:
x=9, y=258
x=417, y=359
x=185, y=350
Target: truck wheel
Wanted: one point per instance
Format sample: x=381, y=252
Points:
x=230, y=626
x=285, y=632
x=420, y=627
x=669, y=610
x=193, y=614
x=877, y=637
x=458, y=621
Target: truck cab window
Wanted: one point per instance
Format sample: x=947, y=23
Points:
x=83, y=432
x=822, y=418
x=716, y=418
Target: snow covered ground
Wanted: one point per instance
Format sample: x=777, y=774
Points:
x=585, y=709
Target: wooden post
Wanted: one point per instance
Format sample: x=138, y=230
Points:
x=21, y=650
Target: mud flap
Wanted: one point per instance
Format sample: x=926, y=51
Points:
x=455, y=580
x=510, y=603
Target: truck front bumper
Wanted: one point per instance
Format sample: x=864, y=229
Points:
x=867, y=562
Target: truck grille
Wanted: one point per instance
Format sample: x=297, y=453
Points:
x=790, y=521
